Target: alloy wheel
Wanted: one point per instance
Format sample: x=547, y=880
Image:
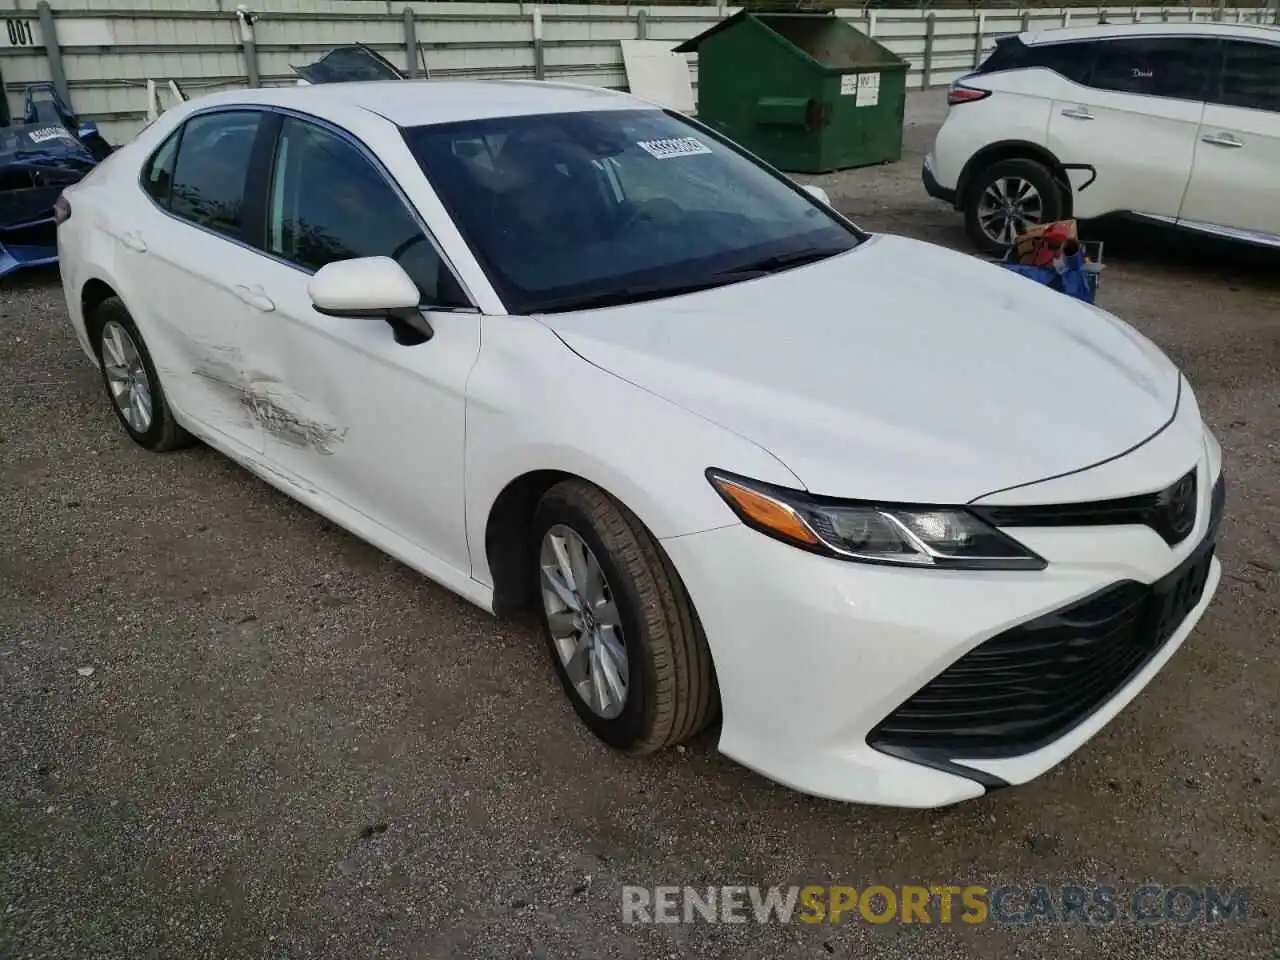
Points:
x=127, y=377
x=582, y=617
x=1009, y=206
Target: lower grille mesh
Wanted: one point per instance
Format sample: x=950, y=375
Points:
x=1029, y=685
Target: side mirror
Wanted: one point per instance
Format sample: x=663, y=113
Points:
x=375, y=287
x=817, y=193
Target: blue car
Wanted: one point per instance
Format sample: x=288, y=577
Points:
x=40, y=154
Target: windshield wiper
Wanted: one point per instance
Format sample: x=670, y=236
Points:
x=635, y=294
x=784, y=261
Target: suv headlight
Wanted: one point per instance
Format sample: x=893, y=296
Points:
x=900, y=534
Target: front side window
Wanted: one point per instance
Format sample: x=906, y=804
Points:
x=1250, y=76
x=571, y=210
x=212, y=168
x=328, y=202
x=1176, y=67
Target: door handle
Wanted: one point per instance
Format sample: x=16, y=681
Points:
x=1223, y=140
x=134, y=241
x=255, y=298
x=1077, y=113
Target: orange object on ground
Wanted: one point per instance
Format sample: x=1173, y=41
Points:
x=1041, y=245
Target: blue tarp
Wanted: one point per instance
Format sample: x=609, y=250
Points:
x=1069, y=275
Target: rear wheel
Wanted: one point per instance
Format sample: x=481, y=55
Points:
x=131, y=381
x=1006, y=199
x=622, y=632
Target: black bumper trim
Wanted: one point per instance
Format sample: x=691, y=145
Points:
x=934, y=188
x=936, y=760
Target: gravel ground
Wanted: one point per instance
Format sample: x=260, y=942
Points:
x=290, y=746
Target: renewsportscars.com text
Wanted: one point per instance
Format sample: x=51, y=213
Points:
x=940, y=904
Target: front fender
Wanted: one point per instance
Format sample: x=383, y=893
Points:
x=533, y=404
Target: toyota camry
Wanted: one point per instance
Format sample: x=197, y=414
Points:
x=903, y=525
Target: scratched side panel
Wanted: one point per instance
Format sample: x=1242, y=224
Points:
x=193, y=322
x=376, y=425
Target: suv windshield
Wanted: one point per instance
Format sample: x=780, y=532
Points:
x=574, y=210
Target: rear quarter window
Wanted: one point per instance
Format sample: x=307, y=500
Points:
x=1074, y=60
x=1071, y=60
x=1010, y=54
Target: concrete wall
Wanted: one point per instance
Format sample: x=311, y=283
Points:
x=110, y=48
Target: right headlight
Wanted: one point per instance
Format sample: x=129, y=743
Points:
x=899, y=534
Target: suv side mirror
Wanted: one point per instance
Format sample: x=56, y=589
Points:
x=370, y=287
x=817, y=193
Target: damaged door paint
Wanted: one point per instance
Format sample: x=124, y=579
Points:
x=282, y=413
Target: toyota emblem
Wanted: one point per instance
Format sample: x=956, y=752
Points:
x=1182, y=506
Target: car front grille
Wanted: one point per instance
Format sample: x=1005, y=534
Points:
x=1028, y=686
x=1169, y=512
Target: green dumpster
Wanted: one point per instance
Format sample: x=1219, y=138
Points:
x=805, y=92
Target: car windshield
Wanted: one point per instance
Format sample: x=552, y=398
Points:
x=575, y=210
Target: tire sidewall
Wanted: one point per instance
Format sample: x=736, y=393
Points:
x=113, y=311
x=633, y=723
x=1030, y=170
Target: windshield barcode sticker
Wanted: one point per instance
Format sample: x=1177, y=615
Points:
x=49, y=133
x=675, y=147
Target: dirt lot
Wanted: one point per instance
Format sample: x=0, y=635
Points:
x=290, y=746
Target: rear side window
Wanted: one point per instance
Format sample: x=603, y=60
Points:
x=1071, y=60
x=212, y=168
x=1250, y=76
x=1176, y=67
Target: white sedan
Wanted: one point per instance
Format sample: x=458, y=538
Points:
x=909, y=526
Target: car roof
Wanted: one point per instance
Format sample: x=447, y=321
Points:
x=410, y=103
x=1105, y=31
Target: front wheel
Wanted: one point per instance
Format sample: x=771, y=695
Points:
x=621, y=629
x=1006, y=199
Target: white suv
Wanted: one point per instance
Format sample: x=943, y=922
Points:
x=1172, y=123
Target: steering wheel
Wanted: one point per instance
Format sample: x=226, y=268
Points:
x=401, y=250
x=651, y=211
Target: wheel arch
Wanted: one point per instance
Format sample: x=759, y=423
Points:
x=93, y=294
x=1014, y=150
x=508, y=540
x=508, y=527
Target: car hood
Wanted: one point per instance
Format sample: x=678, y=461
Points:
x=899, y=371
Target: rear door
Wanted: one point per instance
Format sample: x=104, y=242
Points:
x=186, y=254
x=1235, y=179
x=1134, y=116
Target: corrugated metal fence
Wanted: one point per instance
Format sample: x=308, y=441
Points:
x=105, y=51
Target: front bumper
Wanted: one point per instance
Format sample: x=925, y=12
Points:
x=814, y=654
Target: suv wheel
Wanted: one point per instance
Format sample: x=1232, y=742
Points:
x=1006, y=199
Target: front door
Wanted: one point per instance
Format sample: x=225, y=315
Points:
x=1134, y=117
x=371, y=424
x=1235, y=180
